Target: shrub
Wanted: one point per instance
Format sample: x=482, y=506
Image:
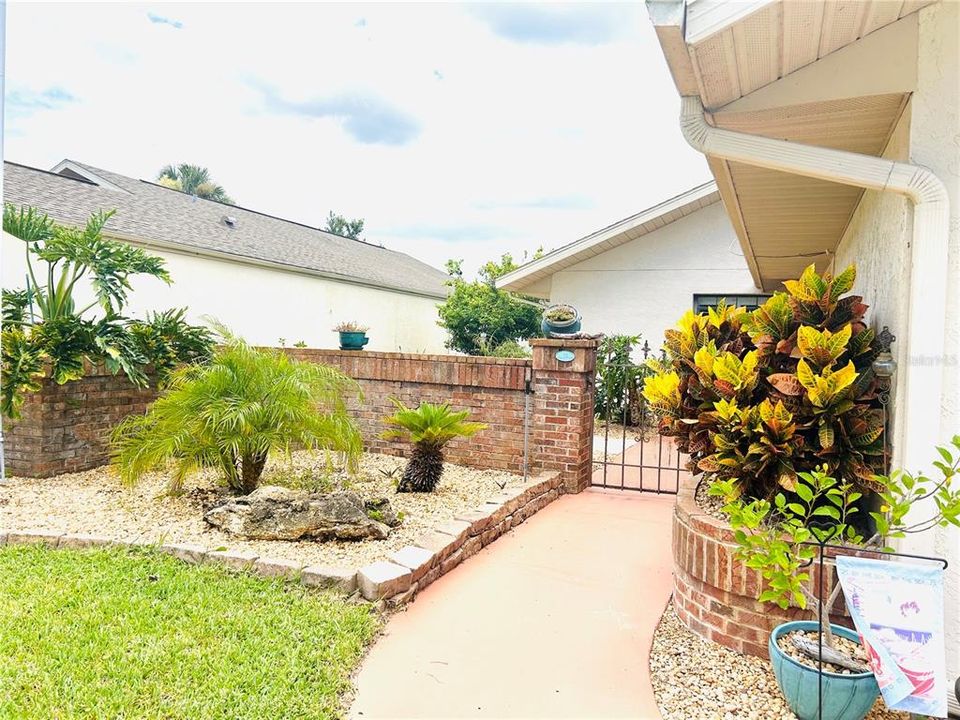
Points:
x=758, y=397
x=506, y=349
x=476, y=310
x=429, y=427
x=43, y=327
x=167, y=340
x=231, y=413
x=620, y=381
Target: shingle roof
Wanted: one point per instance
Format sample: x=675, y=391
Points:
x=148, y=213
x=621, y=232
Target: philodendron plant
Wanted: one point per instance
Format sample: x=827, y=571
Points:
x=779, y=538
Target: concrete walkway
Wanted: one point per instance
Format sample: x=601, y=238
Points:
x=553, y=620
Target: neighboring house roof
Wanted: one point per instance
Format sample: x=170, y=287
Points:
x=153, y=215
x=624, y=231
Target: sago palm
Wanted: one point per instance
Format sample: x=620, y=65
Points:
x=429, y=427
x=233, y=412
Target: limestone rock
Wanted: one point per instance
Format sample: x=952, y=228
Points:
x=276, y=513
x=380, y=509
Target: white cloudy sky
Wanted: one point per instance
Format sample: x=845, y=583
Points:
x=454, y=130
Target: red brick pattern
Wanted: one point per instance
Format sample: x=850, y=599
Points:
x=714, y=593
x=493, y=389
x=66, y=428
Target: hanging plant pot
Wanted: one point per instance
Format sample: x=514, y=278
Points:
x=560, y=319
x=845, y=697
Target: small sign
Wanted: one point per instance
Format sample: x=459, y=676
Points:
x=898, y=611
x=565, y=355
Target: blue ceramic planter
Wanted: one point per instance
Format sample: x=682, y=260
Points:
x=353, y=340
x=845, y=697
x=555, y=326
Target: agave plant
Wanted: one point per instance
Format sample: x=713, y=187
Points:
x=429, y=427
x=233, y=412
x=757, y=397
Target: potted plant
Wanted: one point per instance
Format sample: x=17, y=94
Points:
x=560, y=318
x=780, y=538
x=353, y=335
x=762, y=401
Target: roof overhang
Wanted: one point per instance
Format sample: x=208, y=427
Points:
x=530, y=278
x=829, y=74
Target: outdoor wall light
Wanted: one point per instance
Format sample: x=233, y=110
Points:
x=884, y=366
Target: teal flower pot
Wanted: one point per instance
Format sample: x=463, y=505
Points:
x=353, y=340
x=845, y=697
x=560, y=326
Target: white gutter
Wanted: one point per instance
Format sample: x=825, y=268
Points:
x=924, y=333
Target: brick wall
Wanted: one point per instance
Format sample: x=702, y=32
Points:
x=66, y=428
x=493, y=389
x=715, y=594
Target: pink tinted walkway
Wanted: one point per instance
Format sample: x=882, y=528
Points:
x=553, y=620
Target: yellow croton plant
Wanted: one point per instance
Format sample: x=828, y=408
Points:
x=756, y=397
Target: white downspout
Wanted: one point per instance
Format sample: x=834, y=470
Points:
x=926, y=317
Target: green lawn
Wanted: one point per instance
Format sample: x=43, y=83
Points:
x=136, y=634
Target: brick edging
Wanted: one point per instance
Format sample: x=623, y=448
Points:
x=714, y=593
x=396, y=579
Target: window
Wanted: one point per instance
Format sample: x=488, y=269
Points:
x=750, y=302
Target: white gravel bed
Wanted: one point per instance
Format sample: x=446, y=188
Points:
x=95, y=502
x=695, y=679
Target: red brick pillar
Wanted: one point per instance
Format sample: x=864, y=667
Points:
x=562, y=420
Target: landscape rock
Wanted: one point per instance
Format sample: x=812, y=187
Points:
x=381, y=510
x=276, y=513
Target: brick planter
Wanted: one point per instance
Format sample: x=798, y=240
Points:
x=714, y=594
x=66, y=428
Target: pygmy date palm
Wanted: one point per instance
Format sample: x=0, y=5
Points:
x=233, y=412
x=429, y=427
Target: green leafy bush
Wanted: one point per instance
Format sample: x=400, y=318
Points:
x=232, y=412
x=167, y=340
x=779, y=537
x=429, y=427
x=44, y=328
x=619, y=384
x=506, y=349
x=758, y=397
x=477, y=312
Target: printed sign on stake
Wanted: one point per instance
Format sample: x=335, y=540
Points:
x=897, y=608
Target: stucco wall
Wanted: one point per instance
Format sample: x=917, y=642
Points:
x=644, y=286
x=264, y=305
x=878, y=240
x=935, y=143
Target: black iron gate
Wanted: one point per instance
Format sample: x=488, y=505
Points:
x=628, y=452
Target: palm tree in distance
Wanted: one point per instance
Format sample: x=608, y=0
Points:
x=193, y=180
